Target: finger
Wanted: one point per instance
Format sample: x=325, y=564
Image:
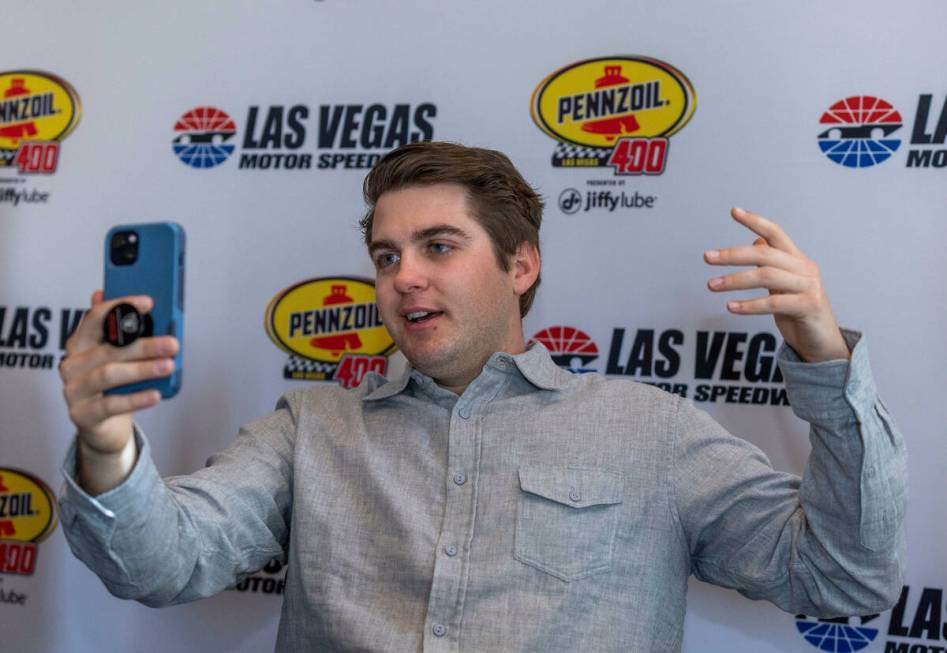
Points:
x=81, y=363
x=90, y=413
x=772, y=279
x=98, y=297
x=767, y=229
x=760, y=255
x=112, y=375
x=89, y=332
x=791, y=305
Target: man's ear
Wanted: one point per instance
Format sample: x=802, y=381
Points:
x=524, y=267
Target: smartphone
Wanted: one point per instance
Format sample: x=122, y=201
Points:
x=148, y=259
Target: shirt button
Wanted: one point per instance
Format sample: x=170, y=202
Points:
x=460, y=478
x=465, y=412
x=439, y=630
x=450, y=550
x=575, y=496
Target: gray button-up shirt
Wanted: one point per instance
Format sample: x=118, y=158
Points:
x=539, y=511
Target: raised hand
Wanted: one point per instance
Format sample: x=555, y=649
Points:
x=104, y=422
x=796, y=298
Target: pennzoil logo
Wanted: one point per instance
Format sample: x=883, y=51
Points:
x=27, y=517
x=331, y=329
x=617, y=111
x=37, y=111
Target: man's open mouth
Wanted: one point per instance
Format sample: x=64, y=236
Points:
x=418, y=317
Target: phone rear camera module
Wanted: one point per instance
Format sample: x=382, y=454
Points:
x=124, y=248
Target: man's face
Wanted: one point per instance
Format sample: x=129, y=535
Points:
x=441, y=292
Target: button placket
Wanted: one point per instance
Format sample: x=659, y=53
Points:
x=444, y=607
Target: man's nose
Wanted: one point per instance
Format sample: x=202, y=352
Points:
x=411, y=275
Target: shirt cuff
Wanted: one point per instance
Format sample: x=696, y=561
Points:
x=829, y=391
x=101, y=511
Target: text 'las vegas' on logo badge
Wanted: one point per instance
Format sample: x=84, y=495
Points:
x=617, y=111
x=331, y=329
x=858, y=131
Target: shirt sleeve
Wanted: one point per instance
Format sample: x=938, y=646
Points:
x=169, y=541
x=828, y=544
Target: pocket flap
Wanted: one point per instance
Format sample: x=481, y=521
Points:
x=577, y=487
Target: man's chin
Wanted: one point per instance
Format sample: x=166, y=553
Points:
x=431, y=361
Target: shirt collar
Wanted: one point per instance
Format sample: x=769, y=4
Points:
x=535, y=365
x=388, y=388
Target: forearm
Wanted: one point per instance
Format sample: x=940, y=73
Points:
x=854, y=490
x=828, y=544
x=169, y=541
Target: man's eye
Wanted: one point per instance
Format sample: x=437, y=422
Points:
x=440, y=248
x=384, y=260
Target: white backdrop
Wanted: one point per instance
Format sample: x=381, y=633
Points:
x=763, y=74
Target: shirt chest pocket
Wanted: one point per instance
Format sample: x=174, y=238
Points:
x=566, y=519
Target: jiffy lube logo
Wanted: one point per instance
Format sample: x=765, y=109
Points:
x=37, y=111
x=331, y=329
x=27, y=516
x=617, y=111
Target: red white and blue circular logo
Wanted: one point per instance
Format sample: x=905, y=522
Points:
x=569, y=348
x=837, y=635
x=201, y=135
x=858, y=131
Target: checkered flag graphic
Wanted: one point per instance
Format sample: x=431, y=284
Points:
x=565, y=155
x=297, y=364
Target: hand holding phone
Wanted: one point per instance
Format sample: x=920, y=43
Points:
x=104, y=421
x=104, y=384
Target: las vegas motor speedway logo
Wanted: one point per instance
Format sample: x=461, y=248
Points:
x=916, y=624
x=732, y=367
x=331, y=329
x=295, y=137
x=202, y=137
x=861, y=131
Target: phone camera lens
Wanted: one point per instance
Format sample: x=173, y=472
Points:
x=124, y=248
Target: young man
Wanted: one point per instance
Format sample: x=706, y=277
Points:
x=488, y=500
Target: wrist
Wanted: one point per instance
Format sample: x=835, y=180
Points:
x=100, y=471
x=835, y=349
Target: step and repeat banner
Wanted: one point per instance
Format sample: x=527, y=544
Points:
x=641, y=123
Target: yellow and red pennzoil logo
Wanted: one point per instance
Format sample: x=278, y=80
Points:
x=37, y=111
x=331, y=329
x=617, y=111
x=27, y=517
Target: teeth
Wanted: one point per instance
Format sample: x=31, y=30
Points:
x=417, y=315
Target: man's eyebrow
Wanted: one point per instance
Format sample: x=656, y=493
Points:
x=376, y=245
x=421, y=235
x=439, y=230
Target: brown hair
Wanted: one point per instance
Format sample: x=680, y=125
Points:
x=504, y=204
